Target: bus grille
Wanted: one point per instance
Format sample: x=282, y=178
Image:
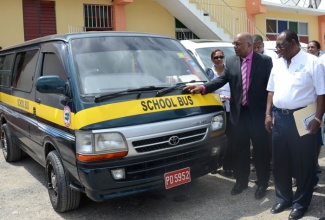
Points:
x=158, y=166
x=169, y=141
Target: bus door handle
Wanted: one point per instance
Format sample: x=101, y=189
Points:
x=37, y=100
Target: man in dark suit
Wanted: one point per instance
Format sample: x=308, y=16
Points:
x=247, y=73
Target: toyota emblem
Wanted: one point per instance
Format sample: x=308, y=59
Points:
x=173, y=140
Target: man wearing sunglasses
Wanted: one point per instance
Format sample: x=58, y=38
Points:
x=297, y=80
x=247, y=73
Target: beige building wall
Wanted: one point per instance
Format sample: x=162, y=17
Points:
x=70, y=13
x=148, y=16
x=237, y=4
x=311, y=20
x=11, y=23
x=141, y=15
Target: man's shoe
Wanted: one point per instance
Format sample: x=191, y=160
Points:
x=296, y=213
x=260, y=192
x=238, y=188
x=277, y=208
x=227, y=173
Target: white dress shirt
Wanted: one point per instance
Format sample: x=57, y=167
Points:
x=298, y=85
x=271, y=54
x=322, y=59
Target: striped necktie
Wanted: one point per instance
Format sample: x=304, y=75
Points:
x=244, y=81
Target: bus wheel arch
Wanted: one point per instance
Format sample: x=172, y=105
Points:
x=62, y=196
x=11, y=151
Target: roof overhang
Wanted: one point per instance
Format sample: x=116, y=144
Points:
x=292, y=9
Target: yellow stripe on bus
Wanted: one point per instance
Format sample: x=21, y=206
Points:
x=42, y=111
x=144, y=106
x=112, y=111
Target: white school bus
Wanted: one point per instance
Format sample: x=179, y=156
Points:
x=106, y=115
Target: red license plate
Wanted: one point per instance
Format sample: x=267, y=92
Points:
x=177, y=177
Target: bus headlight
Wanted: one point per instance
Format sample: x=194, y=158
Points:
x=100, y=146
x=217, y=122
x=109, y=142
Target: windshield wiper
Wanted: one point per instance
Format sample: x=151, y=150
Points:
x=100, y=97
x=177, y=85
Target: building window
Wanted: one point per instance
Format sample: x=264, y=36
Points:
x=39, y=18
x=274, y=27
x=98, y=17
x=182, y=32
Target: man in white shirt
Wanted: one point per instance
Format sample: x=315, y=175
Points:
x=297, y=80
x=259, y=47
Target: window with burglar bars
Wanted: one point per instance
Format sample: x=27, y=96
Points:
x=182, y=32
x=98, y=17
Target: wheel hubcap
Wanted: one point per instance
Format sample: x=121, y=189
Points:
x=54, y=181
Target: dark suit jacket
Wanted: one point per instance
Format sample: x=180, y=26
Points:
x=257, y=93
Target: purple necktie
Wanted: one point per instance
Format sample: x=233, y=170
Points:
x=244, y=81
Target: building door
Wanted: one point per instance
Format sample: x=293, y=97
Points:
x=39, y=18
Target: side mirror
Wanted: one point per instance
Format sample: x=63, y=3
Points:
x=51, y=84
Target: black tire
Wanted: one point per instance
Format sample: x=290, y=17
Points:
x=62, y=197
x=10, y=150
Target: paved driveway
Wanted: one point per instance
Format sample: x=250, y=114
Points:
x=24, y=195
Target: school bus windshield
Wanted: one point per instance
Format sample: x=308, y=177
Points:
x=107, y=64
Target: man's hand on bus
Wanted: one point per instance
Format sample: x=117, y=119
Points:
x=193, y=89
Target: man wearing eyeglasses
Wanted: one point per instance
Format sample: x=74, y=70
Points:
x=297, y=80
x=247, y=73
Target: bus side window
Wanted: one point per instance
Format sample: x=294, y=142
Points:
x=6, y=62
x=53, y=66
x=24, y=70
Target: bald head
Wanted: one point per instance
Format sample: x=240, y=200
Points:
x=246, y=36
x=243, y=44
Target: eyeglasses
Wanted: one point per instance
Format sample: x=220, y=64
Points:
x=218, y=57
x=281, y=46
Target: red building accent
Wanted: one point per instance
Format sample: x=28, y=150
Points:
x=39, y=18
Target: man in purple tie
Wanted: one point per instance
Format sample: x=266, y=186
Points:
x=247, y=73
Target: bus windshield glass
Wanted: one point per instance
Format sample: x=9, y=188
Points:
x=110, y=63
